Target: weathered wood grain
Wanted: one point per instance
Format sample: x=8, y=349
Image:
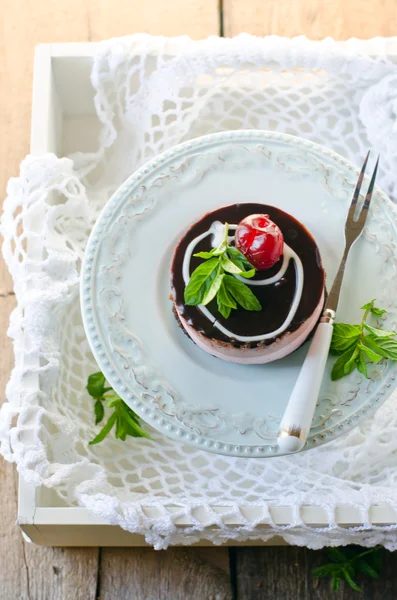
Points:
x=316, y=19
x=177, y=574
x=27, y=23
x=28, y=571
x=284, y=573
x=36, y=573
x=61, y=573
x=14, y=575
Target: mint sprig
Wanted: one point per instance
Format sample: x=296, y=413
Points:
x=358, y=345
x=215, y=278
x=346, y=563
x=125, y=420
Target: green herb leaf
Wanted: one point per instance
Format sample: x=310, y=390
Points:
x=221, y=249
x=225, y=297
x=230, y=267
x=121, y=433
x=362, y=365
x=338, y=555
x=340, y=368
x=225, y=301
x=350, y=580
x=335, y=583
x=242, y=293
x=239, y=259
x=99, y=411
x=343, y=336
x=379, y=333
x=205, y=255
x=133, y=426
x=369, y=305
x=206, y=280
x=223, y=309
x=200, y=281
x=96, y=385
x=127, y=422
x=386, y=347
x=370, y=353
x=378, y=312
x=358, y=349
x=105, y=430
x=352, y=362
x=349, y=561
x=214, y=287
x=363, y=567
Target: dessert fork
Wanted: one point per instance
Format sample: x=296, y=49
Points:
x=298, y=416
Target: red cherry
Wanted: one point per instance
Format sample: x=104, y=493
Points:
x=260, y=240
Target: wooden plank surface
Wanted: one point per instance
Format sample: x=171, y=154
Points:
x=316, y=19
x=27, y=571
x=36, y=573
x=175, y=574
x=27, y=23
x=285, y=574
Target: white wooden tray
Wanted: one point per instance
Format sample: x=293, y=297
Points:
x=64, y=121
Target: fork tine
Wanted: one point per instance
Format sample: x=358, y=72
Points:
x=364, y=211
x=356, y=193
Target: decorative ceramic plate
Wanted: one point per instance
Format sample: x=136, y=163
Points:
x=125, y=286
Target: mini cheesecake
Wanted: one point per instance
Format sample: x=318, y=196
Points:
x=290, y=292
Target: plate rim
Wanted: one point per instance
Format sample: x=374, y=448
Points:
x=168, y=426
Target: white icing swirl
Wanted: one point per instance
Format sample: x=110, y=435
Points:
x=217, y=230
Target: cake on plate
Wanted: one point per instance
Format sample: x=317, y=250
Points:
x=247, y=283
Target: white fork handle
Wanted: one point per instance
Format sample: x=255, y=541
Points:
x=298, y=416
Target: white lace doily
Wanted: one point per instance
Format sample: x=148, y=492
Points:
x=149, y=98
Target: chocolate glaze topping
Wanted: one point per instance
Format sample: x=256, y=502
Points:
x=275, y=299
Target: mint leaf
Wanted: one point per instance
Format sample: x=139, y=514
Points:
x=130, y=418
x=386, y=347
x=383, y=333
x=336, y=554
x=352, y=362
x=221, y=249
x=225, y=301
x=343, y=336
x=200, y=281
x=213, y=287
x=340, y=368
x=230, y=267
x=238, y=258
x=363, y=567
x=121, y=432
x=242, y=293
x=370, y=353
x=225, y=297
x=127, y=422
x=223, y=309
x=378, y=311
x=347, y=572
x=362, y=365
x=105, y=430
x=335, y=583
x=99, y=411
x=205, y=255
x=96, y=385
x=369, y=305
x=206, y=280
x=349, y=561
